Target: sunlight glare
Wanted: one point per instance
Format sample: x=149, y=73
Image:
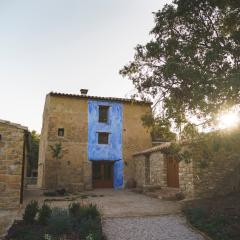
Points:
x=228, y=120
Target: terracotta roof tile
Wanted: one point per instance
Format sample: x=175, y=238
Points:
x=153, y=149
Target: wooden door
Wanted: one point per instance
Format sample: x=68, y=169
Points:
x=102, y=172
x=172, y=172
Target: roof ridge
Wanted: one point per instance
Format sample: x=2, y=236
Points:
x=99, y=97
x=13, y=124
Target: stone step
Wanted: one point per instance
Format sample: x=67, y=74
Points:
x=166, y=193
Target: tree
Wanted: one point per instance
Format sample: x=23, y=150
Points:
x=34, y=140
x=160, y=128
x=191, y=65
x=190, y=132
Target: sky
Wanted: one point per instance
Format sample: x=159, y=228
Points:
x=66, y=45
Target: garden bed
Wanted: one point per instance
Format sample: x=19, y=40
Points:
x=78, y=222
x=218, y=217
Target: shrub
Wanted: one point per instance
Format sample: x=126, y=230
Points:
x=91, y=228
x=25, y=233
x=89, y=211
x=83, y=212
x=60, y=222
x=20, y=231
x=74, y=209
x=76, y=222
x=30, y=212
x=44, y=214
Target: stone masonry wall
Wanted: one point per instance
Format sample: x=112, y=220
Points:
x=11, y=160
x=72, y=171
x=158, y=171
x=186, y=178
x=43, y=145
x=218, y=177
x=135, y=137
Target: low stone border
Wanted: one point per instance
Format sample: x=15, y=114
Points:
x=7, y=217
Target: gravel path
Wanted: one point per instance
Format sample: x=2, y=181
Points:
x=149, y=228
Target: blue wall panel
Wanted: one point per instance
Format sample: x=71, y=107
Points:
x=118, y=174
x=113, y=150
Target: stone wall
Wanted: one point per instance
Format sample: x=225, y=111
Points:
x=11, y=164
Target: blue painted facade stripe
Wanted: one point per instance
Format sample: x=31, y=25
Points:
x=113, y=150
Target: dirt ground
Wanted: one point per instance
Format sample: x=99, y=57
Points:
x=114, y=203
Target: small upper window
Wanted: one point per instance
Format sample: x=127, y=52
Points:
x=61, y=132
x=103, y=138
x=103, y=114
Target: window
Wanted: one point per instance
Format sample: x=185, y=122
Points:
x=61, y=132
x=103, y=138
x=103, y=114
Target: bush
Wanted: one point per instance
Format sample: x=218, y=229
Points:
x=30, y=212
x=83, y=212
x=25, y=233
x=44, y=214
x=89, y=211
x=60, y=223
x=76, y=222
x=74, y=209
x=213, y=225
x=91, y=228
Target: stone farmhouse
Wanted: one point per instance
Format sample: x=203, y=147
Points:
x=13, y=156
x=155, y=169
x=98, y=137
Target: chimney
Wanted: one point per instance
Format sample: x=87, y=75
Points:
x=84, y=91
